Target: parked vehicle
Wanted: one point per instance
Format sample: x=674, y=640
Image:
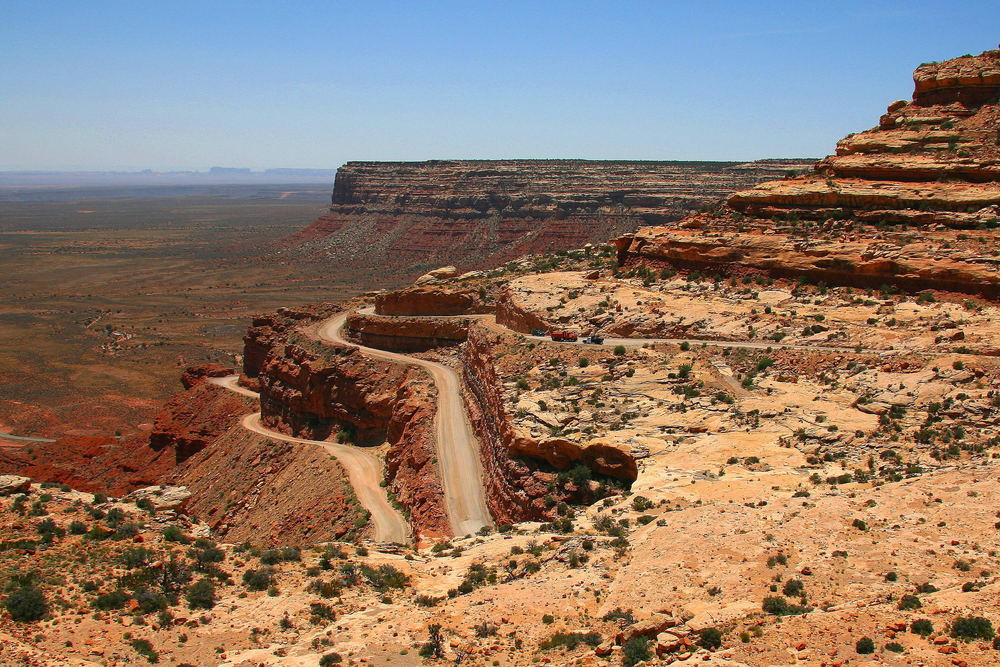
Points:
x=563, y=336
x=594, y=340
x=537, y=332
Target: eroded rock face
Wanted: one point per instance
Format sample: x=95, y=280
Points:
x=191, y=420
x=478, y=213
x=910, y=263
x=252, y=489
x=192, y=375
x=516, y=485
x=930, y=164
x=11, y=484
x=162, y=497
x=406, y=334
x=313, y=390
x=431, y=300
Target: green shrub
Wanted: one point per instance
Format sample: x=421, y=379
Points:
x=113, y=600
x=779, y=606
x=636, y=650
x=570, y=640
x=710, y=638
x=922, y=627
x=641, y=503
x=330, y=659
x=908, y=602
x=258, y=580
x=972, y=627
x=793, y=587
x=145, y=649
x=895, y=647
x=619, y=350
x=200, y=594
x=26, y=605
x=865, y=646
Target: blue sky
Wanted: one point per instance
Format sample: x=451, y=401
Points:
x=175, y=85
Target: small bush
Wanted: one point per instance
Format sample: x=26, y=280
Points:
x=109, y=601
x=619, y=350
x=710, y=638
x=865, y=646
x=27, y=605
x=793, y=587
x=258, y=580
x=200, y=594
x=922, y=627
x=908, y=602
x=330, y=659
x=636, y=650
x=570, y=640
x=972, y=627
x=895, y=647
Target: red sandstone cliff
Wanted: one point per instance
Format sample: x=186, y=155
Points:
x=404, y=217
x=313, y=389
x=931, y=164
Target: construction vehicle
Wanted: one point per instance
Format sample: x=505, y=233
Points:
x=563, y=336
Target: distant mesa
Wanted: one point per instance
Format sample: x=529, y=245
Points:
x=408, y=217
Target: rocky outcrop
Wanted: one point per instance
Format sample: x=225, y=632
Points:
x=515, y=317
x=899, y=260
x=161, y=497
x=938, y=153
x=191, y=420
x=313, y=390
x=268, y=493
x=269, y=330
x=11, y=484
x=406, y=334
x=933, y=163
x=192, y=375
x=521, y=472
x=431, y=300
x=969, y=81
x=406, y=217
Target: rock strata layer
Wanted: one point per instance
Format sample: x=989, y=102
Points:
x=410, y=216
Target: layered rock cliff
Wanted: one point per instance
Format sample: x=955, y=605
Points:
x=405, y=217
x=931, y=164
x=313, y=390
x=522, y=473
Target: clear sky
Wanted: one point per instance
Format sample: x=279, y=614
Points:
x=180, y=85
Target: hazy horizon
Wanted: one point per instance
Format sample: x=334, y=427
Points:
x=125, y=87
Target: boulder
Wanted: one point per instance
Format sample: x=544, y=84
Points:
x=437, y=274
x=11, y=484
x=162, y=497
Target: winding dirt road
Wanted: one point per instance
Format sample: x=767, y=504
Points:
x=457, y=446
x=363, y=470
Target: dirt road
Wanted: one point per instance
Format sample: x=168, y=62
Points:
x=457, y=446
x=363, y=469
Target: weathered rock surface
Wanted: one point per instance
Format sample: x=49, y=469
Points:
x=252, y=489
x=314, y=390
x=11, y=484
x=907, y=262
x=406, y=334
x=478, y=213
x=191, y=420
x=192, y=375
x=431, y=300
x=162, y=497
x=931, y=163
